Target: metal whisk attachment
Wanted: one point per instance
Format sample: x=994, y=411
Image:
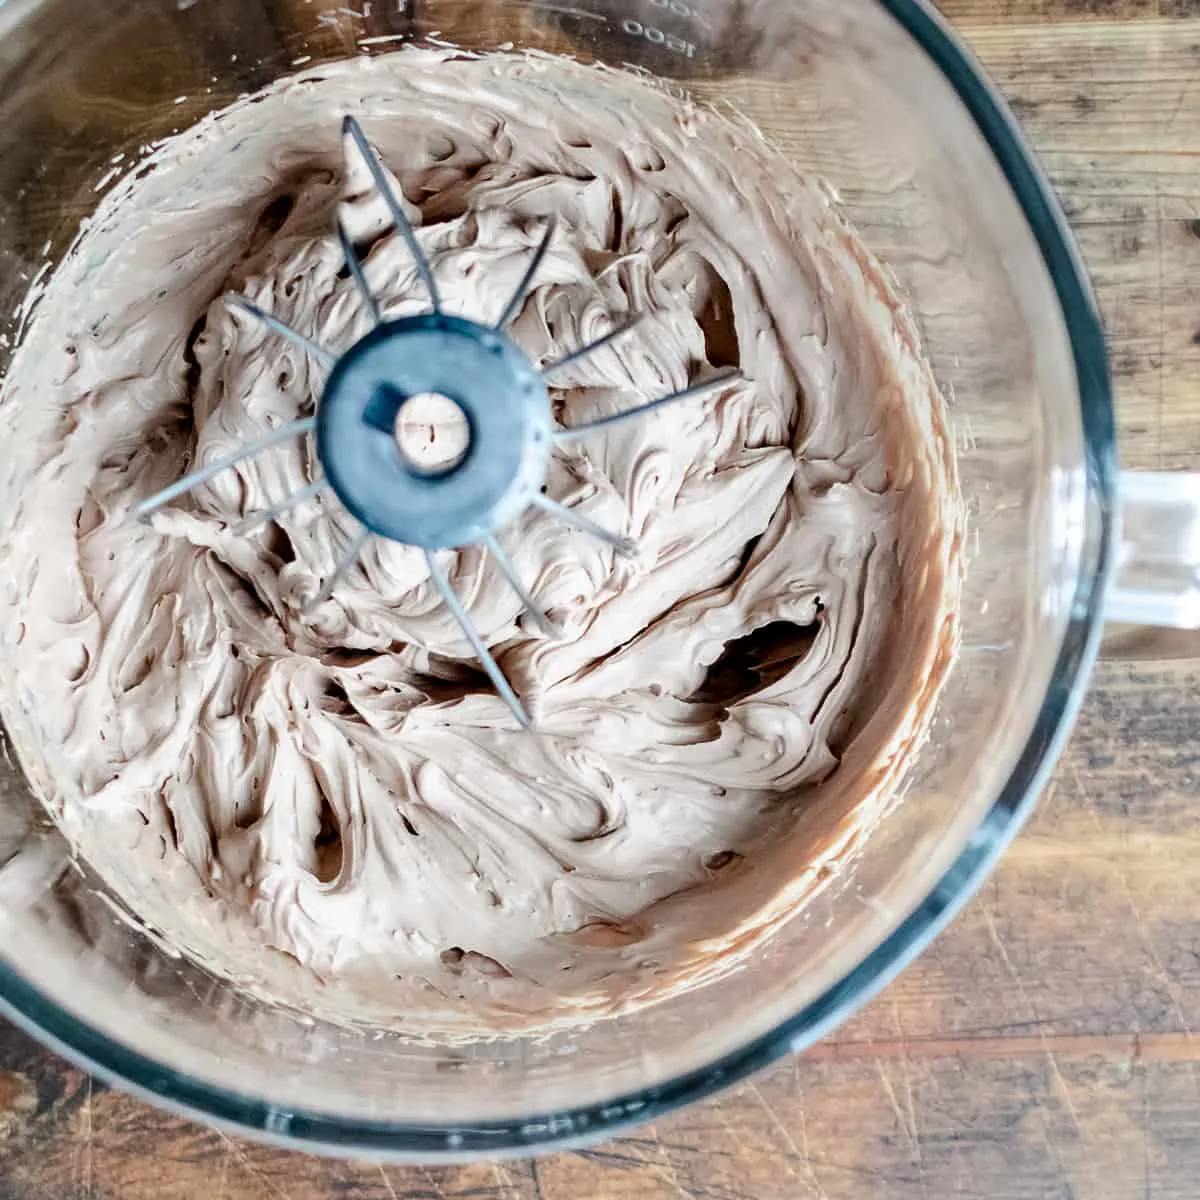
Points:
x=500, y=393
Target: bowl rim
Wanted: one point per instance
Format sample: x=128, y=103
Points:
x=312, y=1131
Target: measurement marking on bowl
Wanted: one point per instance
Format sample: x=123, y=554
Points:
x=657, y=37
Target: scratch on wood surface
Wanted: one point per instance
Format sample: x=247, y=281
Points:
x=805, y=1146
x=505, y=1180
x=1064, y=1092
x=387, y=1183
x=906, y=1121
x=1160, y=970
x=918, y=1148
x=906, y=1075
x=800, y=1152
x=430, y=1178
x=602, y=1154
x=223, y=1181
x=243, y=1160
x=1185, y=93
x=664, y=1167
x=535, y=1175
x=910, y=1107
x=1027, y=1000
x=723, y=1117
x=1048, y=1135
x=775, y=1119
x=1083, y=792
x=893, y=1100
x=1009, y=965
x=86, y=1150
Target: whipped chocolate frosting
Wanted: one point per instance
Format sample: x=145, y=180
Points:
x=332, y=806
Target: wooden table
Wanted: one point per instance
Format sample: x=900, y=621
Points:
x=1044, y=1046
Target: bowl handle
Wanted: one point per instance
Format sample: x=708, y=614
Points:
x=1153, y=608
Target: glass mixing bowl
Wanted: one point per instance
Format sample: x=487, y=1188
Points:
x=881, y=101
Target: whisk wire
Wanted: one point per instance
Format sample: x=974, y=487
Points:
x=259, y=519
x=489, y=664
x=515, y=301
x=401, y=221
x=180, y=487
x=354, y=266
x=583, y=351
x=631, y=414
x=345, y=564
x=508, y=569
x=624, y=546
x=323, y=356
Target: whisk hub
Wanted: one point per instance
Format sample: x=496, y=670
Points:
x=508, y=420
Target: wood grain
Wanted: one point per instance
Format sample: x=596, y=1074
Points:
x=1045, y=1046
